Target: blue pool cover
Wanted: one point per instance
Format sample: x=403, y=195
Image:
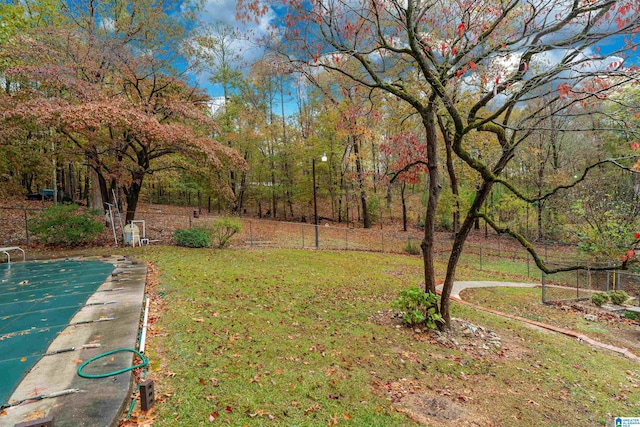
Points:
x=37, y=301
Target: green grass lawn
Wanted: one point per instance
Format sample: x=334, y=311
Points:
x=289, y=338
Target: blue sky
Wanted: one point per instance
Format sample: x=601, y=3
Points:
x=225, y=10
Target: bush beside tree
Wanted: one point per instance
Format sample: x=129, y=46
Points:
x=66, y=224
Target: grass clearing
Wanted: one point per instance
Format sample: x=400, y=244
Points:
x=290, y=338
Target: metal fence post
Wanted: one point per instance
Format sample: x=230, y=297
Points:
x=480, y=257
x=250, y=233
x=543, y=287
x=346, y=238
x=302, y=228
x=26, y=226
x=577, y=283
x=528, y=266
x=382, y=235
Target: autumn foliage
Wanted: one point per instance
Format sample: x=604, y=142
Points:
x=98, y=96
x=477, y=68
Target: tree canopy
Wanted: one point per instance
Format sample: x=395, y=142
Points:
x=479, y=67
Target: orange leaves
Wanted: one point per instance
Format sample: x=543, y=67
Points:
x=313, y=408
x=261, y=413
x=461, y=29
x=256, y=379
x=631, y=253
x=335, y=419
x=564, y=89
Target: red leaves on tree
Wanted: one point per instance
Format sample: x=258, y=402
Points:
x=564, y=89
x=408, y=156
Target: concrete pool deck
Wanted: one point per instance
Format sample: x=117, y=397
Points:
x=87, y=402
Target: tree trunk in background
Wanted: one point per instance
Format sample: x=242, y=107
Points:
x=366, y=220
x=96, y=190
x=403, y=187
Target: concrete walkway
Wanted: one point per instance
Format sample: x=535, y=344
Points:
x=459, y=286
x=87, y=402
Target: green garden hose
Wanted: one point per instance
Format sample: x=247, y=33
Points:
x=142, y=364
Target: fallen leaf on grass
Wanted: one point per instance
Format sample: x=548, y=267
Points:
x=213, y=416
x=202, y=381
x=311, y=409
x=258, y=413
x=199, y=319
x=333, y=421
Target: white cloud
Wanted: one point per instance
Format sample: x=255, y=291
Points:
x=216, y=103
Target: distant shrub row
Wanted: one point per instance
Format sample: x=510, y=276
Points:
x=219, y=236
x=616, y=297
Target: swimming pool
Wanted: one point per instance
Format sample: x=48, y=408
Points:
x=37, y=301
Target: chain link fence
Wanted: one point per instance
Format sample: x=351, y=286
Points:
x=581, y=284
x=497, y=254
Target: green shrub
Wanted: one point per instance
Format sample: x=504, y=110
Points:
x=66, y=224
x=618, y=297
x=374, y=208
x=412, y=248
x=418, y=307
x=223, y=230
x=192, y=238
x=631, y=315
x=599, y=298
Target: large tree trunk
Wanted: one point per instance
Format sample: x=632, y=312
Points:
x=453, y=179
x=132, y=193
x=456, y=251
x=429, y=123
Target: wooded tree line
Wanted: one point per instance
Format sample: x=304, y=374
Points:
x=101, y=88
x=455, y=114
x=498, y=93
